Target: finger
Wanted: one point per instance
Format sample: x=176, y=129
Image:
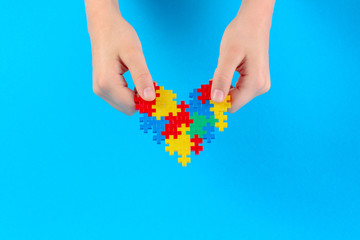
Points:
x=128, y=111
x=123, y=97
x=112, y=87
x=223, y=76
x=254, y=81
x=117, y=94
x=240, y=95
x=141, y=75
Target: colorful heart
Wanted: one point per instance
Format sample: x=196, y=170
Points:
x=183, y=127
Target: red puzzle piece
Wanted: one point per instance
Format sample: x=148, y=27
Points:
x=205, y=92
x=145, y=106
x=196, y=148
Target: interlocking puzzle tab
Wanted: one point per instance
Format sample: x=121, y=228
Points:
x=183, y=127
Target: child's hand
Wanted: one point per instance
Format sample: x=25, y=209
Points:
x=116, y=49
x=244, y=48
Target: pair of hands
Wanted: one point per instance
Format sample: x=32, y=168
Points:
x=116, y=49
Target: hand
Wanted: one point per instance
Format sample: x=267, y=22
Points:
x=116, y=49
x=244, y=48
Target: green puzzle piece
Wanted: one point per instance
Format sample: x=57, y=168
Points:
x=200, y=121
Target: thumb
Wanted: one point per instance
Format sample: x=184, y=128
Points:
x=141, y=76
x=223, y=76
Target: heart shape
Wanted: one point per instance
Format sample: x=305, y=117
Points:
x=183, y=127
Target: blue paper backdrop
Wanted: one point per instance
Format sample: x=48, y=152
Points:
x=72, y=167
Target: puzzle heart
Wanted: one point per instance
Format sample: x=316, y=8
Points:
x=183, y=127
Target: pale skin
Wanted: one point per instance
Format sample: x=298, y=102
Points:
x=116, y=49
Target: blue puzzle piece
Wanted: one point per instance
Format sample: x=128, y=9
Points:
x=210, y=130
x=194, y=104
x=204, y=109
x=159, y=127
x=194, y=94
x=158, y=138
x=146, y=122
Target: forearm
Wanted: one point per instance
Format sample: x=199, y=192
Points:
x=258, y=12
x=99, y=12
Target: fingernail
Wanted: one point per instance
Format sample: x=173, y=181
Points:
x=218, y=96
x=149, y=93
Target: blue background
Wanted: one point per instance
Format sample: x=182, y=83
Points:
x=72, y=167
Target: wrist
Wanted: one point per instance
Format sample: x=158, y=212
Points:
x=257, y=13
x=100, y=14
